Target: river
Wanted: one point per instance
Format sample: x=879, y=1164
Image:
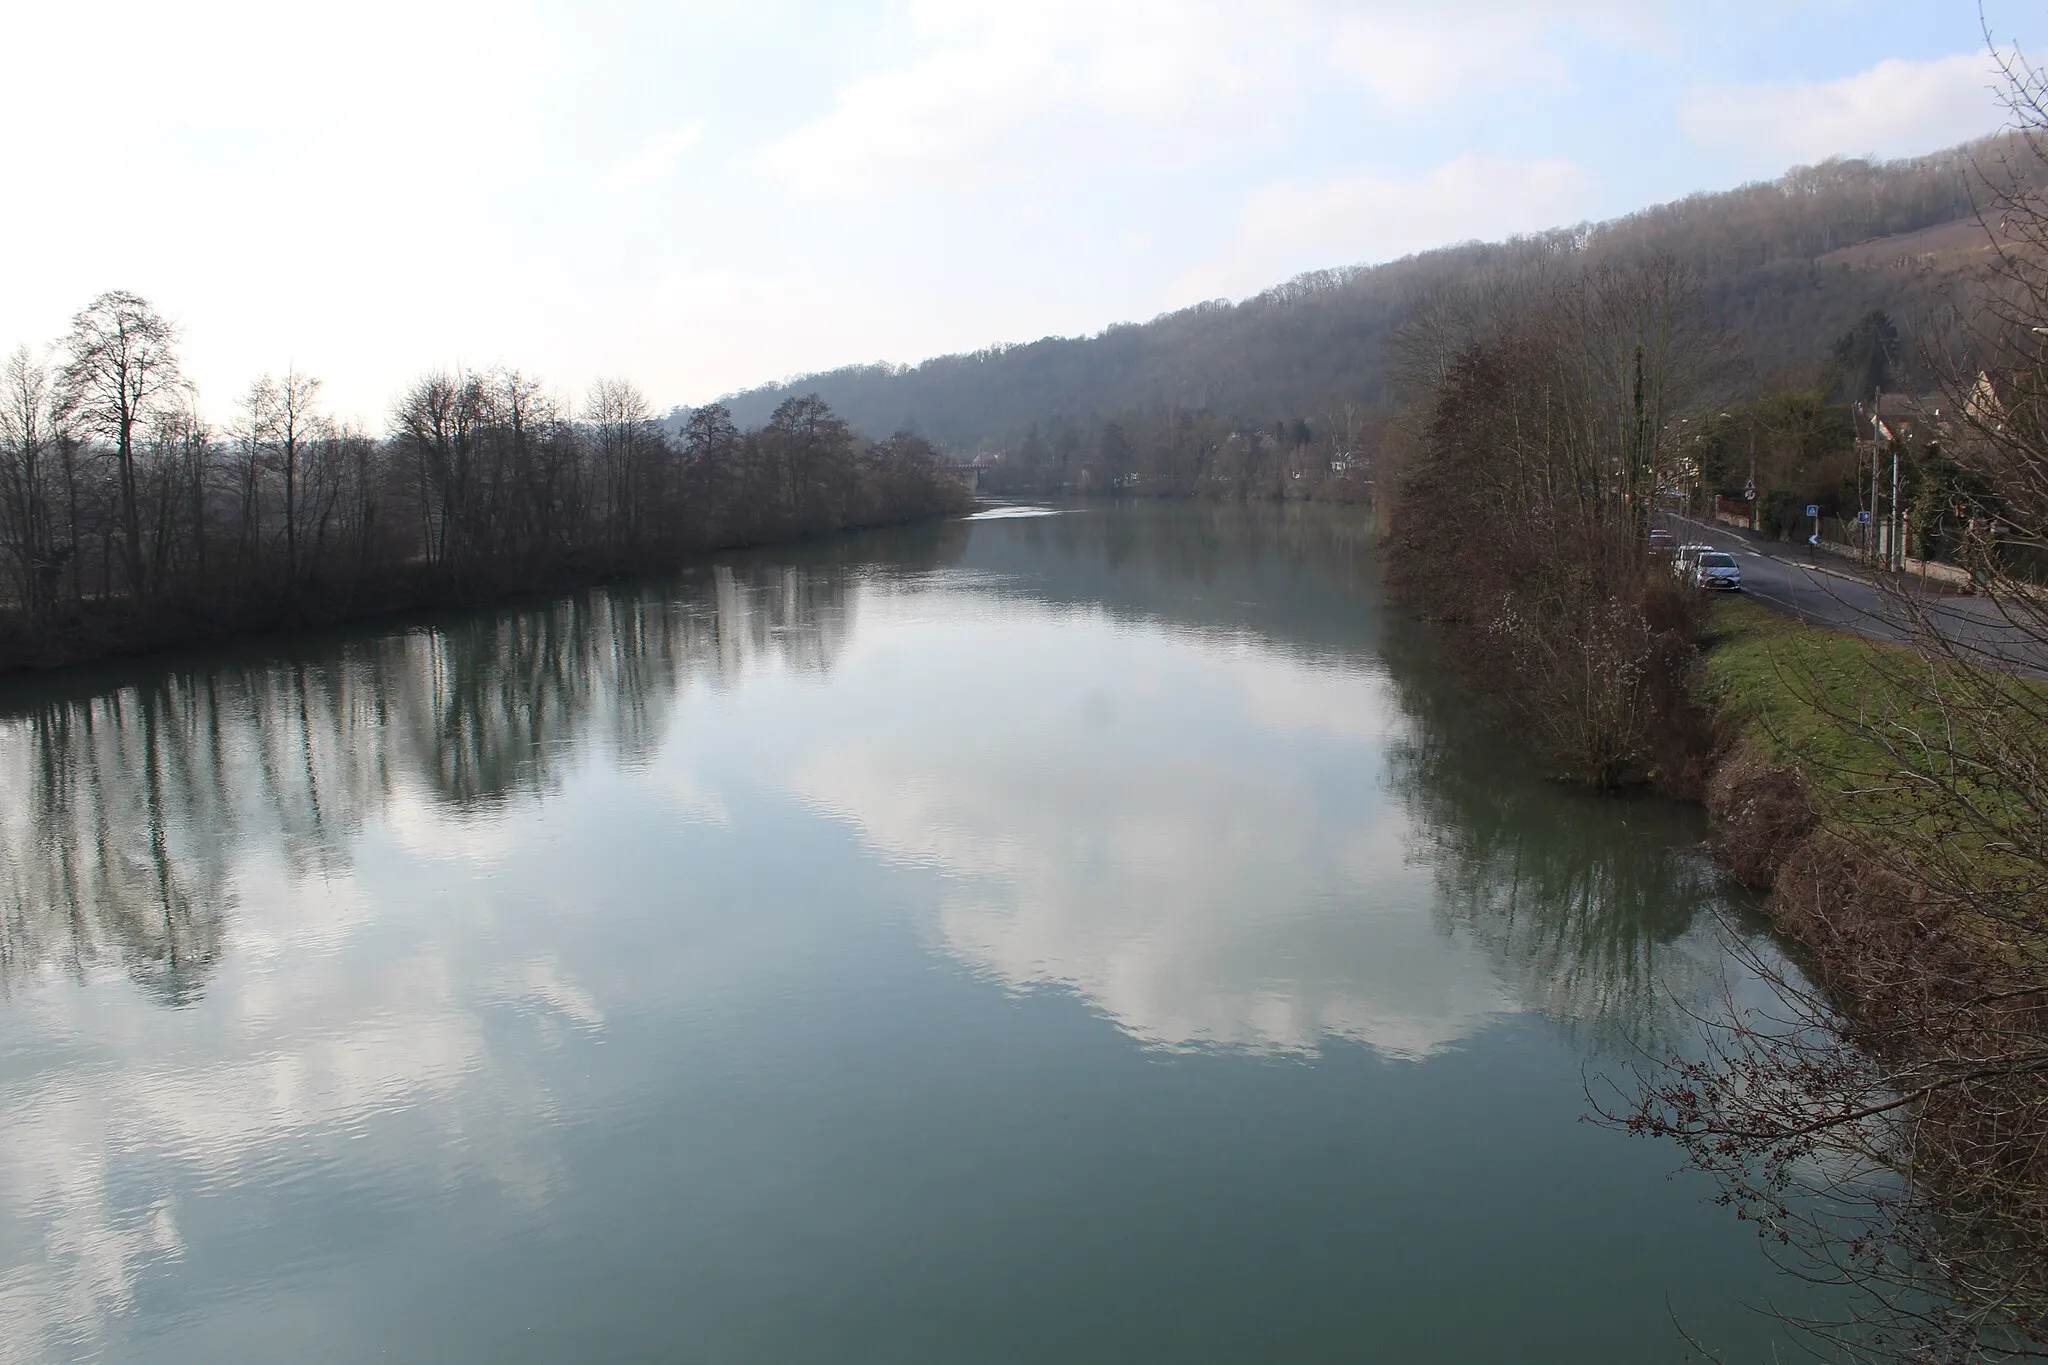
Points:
x=1101, y=936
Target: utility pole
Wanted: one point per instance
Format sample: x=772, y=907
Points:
x=1749, y=489
x=1896, y=559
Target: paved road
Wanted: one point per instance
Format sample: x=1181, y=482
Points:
x=1827, y=590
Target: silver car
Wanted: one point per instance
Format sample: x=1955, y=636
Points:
x=1717, y=569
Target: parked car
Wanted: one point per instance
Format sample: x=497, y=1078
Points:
x=1717, y=569
x=1661, y=542
x=1682, y=560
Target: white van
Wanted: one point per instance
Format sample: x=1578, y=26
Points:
x=1682, y=560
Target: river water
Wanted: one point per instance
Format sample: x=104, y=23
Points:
x=1098, y=936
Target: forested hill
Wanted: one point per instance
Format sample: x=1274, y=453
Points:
x=1788, y=264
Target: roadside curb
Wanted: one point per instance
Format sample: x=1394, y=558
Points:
x=1831, y=573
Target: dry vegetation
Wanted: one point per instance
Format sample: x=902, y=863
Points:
x=1548, y=407
x=127, y=521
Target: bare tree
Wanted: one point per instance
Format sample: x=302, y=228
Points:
x=617, y=415
x=713, y=481
x=436, y=421
x=485, y=483
x=27, y=484
x=175, y=488
x=121, y=364
x=1548, y=428
x=284, y=430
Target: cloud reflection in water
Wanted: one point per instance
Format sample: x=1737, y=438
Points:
x=1186, y=829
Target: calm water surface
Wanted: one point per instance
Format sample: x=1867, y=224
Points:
x=1089, y=937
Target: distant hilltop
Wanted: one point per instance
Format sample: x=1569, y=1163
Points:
x=1788, y=264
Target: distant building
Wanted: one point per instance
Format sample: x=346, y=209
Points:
x=979, y=467
x=1905, y=416
x=1984, y=407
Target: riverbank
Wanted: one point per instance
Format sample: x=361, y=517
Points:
x=117, y=627
x=1846, y=723
x=1871, y=789
x=1888, y=800
x=481, y=493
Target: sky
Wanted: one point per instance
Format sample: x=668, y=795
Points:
x=703, y=195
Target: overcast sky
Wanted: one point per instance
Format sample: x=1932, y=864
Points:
x=700, y=195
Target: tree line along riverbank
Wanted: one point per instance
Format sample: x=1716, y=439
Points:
x=1886, y=1122
x=129, y=522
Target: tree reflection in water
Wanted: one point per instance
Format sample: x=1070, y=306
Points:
x=1601, y=910
x=127, y=809
x=123, y=810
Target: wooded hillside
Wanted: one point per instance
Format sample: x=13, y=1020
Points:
x=1787, y=265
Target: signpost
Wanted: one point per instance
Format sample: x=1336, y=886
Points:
x=1813, y=510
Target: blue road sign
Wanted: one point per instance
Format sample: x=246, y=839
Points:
x=1812, y=510
x=1863, y=517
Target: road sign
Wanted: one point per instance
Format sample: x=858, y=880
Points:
x=1812, y=510
x=1863, y=517
x=1813, y=539
x=1749, y=491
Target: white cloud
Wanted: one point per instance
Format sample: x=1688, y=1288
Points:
x=1000, y=90
x=1002, y=87
x=1284, y=229
x=1417, y=59
x=1896, y=108
x=659, y=157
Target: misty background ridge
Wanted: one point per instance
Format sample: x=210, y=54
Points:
x=1786, y=265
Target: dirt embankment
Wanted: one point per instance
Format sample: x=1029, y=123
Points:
x=1875, y=946
x=1790, y=739
x=1762, y=812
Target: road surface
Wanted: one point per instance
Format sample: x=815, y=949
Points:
x=1827, y=590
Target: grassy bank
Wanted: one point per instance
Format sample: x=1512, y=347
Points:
x=1804, y=710
x=1780, y=685
x=1901, y=753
